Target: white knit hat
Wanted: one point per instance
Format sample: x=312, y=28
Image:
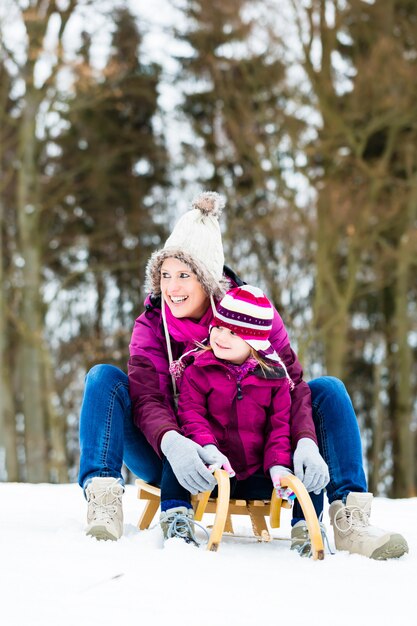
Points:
x=196, y=240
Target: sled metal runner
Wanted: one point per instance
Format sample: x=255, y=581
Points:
x=223, y=508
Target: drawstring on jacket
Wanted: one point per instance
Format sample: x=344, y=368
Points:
x=176, y=367
x=169, y=349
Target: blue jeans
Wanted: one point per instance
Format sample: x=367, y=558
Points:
x=108, y=436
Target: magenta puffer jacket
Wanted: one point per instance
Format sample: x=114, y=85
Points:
x=252, y=428
x=151, y=387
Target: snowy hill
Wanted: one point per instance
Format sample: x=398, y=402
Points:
x=52, y=574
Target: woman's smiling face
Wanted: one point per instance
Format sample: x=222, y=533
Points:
x=181, y=290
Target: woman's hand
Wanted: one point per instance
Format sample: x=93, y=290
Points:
x=216, y=459
x=188, y=461
x=309, y=466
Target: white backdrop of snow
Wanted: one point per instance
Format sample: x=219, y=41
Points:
x=53, y=574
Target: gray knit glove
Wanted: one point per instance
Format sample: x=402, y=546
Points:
x=188, y=460
x=217, y=460
x=309, y=466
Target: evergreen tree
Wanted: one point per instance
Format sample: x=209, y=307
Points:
x=110, y=180
x=114, y=196
x=237, y=102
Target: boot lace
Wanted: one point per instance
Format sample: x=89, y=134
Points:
x=355, y=518
x=104, y=507
x=182, y=526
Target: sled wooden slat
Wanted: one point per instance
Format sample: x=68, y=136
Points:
x=200, y=503
x=224, y=508
x=152, y=495
x=257, y=518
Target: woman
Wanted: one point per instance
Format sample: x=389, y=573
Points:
x=184, y=279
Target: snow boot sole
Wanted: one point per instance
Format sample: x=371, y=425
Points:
x=393, y=549
x=101, y=533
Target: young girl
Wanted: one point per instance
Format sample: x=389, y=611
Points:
x=235, y=402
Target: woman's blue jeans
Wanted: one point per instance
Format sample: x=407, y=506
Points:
x=108, y=436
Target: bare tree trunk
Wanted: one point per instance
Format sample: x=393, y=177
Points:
x=31, y=316
x=335, y=343
x=9, y=469
x=332, y=299
x=58, y=468
x=404, y=450
x=375, y=451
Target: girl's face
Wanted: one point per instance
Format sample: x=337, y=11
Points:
x=181, y=291
x=229, y=346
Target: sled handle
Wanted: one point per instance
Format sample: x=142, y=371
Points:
x=294, y=483
x=223, y=488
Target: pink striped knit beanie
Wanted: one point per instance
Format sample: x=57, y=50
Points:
x=247, y=312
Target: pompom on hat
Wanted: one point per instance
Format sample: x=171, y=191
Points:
x=196, y=241
x=247, y=312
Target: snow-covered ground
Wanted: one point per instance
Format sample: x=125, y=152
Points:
x=52, y=574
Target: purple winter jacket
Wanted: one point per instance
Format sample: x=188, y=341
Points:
x=252, y=428
x=150, y=383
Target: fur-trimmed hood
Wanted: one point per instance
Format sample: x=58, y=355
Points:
x=211, y=285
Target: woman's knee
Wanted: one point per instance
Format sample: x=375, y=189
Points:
x=104, y=373
x=327, y=385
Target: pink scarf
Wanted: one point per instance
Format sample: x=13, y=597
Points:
x=186, y=330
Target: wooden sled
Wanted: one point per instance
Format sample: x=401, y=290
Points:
x=224, y=508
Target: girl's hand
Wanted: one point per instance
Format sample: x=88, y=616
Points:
x=215, y=459
x=277, y=472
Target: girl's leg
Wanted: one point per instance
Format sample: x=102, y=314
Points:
x=257, y=487
x=297, y=512
x=177, y=514
x=107, y=432
x=172, y=493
